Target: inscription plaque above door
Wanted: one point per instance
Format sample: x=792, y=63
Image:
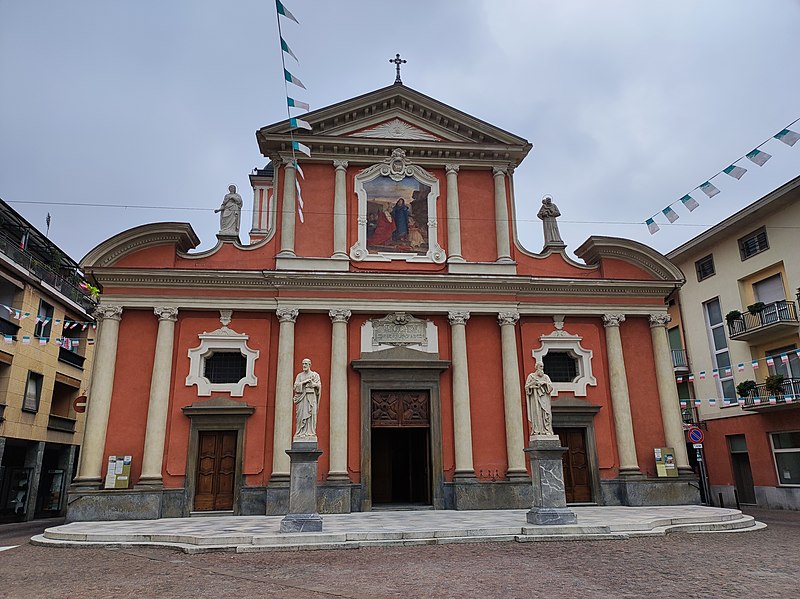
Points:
x=400, y=408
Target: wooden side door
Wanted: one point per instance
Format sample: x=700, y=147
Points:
x=577, y=477
x=216, y=471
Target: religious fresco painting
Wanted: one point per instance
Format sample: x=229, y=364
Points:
x=397, y=215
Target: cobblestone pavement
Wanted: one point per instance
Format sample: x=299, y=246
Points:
x=753, y=564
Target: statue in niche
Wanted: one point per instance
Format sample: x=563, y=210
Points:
x=307, y=387
x=548, y=213
x=230, y=213
x=538, y=388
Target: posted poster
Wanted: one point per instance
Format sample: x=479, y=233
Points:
x=118, y=474
x=665, y=462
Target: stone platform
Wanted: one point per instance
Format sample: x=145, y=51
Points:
x=244, y=534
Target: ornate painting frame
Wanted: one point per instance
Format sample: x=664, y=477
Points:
x=397, y=168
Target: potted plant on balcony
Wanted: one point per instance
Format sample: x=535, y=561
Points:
x=733, y=316
x=756, y=308
x=774, y=384
x=745, y=388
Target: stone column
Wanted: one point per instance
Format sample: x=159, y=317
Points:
x=668, y=392
x=462, y=420
x=284, y=391
x=501, y=215
x=99, y=404
x=158, y=407
x=453, y=215
x=338, y=402
x=620, y=400
x=340, y=211
x=288, y=209
x=512, y=397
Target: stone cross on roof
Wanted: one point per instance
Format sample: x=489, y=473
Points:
x=397, y=62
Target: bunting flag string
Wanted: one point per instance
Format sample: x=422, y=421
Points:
x=68, y=324
x=294, y=122
x=69, y=343
x=757, y=156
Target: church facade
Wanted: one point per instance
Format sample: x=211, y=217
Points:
x=389, y=258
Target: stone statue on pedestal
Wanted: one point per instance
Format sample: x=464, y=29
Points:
x=538, y=388
x=548, y=213
x=307, y=387
x=229, y=214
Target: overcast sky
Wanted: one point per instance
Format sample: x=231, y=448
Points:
x=629, y=105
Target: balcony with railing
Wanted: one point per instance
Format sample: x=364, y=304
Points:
x=760, y=398
x=68, y=286
x=70, y=357
x=7, y=327
x=680, y=362
x=61, y=423
x=774, y=320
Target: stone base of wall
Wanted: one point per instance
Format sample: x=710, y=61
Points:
x=650, y=491
x=770, y=498
x=483, y=495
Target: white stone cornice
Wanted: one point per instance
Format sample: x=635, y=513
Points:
x=166, y=313
x=287, y=314
x=460, y=317
x=505, y=318
x=339, y=315
x=659, y=320
x=613, y=320
x=108, y=313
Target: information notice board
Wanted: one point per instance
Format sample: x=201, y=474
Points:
x=118, y=474
x=665, y=462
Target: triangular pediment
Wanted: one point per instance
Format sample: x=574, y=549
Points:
x=395, y=113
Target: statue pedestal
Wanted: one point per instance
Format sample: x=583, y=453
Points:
x=303, y=515
x=547, y=477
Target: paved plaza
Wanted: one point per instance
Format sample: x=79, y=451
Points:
x=762, y=564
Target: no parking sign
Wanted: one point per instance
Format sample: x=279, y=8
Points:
x=695, y=435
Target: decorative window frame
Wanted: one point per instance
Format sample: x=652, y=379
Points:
x=221, y=340
x=560, y=340
x=397, y=167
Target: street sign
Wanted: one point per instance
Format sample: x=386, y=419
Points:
x=697, y=445
x=696, y=435
x=79, y=404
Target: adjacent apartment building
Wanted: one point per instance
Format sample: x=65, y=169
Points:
x=46, y=344
x=737, y=316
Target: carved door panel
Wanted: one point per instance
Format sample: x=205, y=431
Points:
x=216, y=471
x=577, y=477
x=400, y=409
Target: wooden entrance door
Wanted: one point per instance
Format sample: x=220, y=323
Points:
x=400, y=446
x=577, y=477
x=216, y=471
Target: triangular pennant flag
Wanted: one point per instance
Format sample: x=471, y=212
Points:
x=42, y=340
x=698, y=403
x=691, y=378
x=300, y=214
x=758, y=157
x=734, y=171
x=740, y=367
x=297, y=104
x=292, y=79
x=8, y=338
x=652, y=226
x=788, y=137
x=284, y=12
x=715, y=373
x=712, y=402
x=741, y=401
x=770, y=362
x=299, y=170
x=788, y=398
x=296, y=145
x=679, y=379
x=671, y=215
x=785, y=358
x=702, y=375
x=285, y=47
x=90, y=342
x=755, y=364
x=299, y=124
x=26, y=339
x=727, y=372
x=683, y=403
x=689, y=202
x=709, y=189
x=772, y=400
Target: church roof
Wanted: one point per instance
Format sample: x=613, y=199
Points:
x=373, y=123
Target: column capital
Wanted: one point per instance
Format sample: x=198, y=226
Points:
x=508, y=318
x=288, y=162
x=340, y=165
x=166, y=313
x=451, y=168
x=499, y=170
x=458, y=317
x=108, y=313
x=287, y=314
x=659, y=320
x=613, y=320
x=339, y=315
